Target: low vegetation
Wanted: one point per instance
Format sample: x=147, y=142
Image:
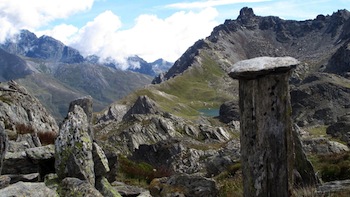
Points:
x=140, y=173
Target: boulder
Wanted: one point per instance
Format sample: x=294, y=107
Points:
x=341, y=129
x=34, y=177
x=101, y=166
x=5, y=181
x=323, y=146
x=114, y=113
x=73, y=148
x=28, y=189
x=304, y=173
x=229, y=111
x=127, y=190
x=76, y=187
x=143, y=105
x=184, y=185
x=3, y=146
x=23, y=142
x=105, y=188
x=85, y=103
x=334, y=187
x=112, y=158
x=44, y=157
x=18, y=163
x=41, y=153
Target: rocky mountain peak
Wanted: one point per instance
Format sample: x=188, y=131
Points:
x=245, y=14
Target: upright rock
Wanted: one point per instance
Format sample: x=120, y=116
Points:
x=3, y=145
x=143, y=105
x=266, y=128
x=73, y=148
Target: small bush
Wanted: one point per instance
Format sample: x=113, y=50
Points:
x=23, y=128
x=142, y=170
x=47, y=137
x=333, y=167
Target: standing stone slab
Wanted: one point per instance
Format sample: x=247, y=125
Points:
x=73, y=148
x=266, y=128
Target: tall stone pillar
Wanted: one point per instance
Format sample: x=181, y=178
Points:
x=266, y=128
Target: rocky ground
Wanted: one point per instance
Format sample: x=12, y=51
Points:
x=145, y=145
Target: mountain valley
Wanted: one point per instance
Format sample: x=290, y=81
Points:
x=152, y=139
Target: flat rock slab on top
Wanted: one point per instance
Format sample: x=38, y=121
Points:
x=255, y=67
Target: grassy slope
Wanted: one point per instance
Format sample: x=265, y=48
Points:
x=198, y=87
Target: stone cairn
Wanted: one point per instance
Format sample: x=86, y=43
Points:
x=266, y=126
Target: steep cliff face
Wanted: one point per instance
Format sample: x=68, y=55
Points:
x=313, y=42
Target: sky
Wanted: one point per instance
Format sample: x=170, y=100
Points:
x=151, y=29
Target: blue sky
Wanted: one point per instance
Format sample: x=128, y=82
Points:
x=151, y=29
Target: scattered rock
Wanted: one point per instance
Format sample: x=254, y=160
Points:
x=28, y=189
x=3, y=146
x=127, y=190
x=323, y=146
x=34, y=177
x=77, y=187
x=341, y=129
x=105, y=188
x=18, y=163
x=334, y=187
x=184, y=185
x=4, y=181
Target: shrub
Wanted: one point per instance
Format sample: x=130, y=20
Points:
x=23, y=128
x=142, y=170
x=333, y=167
x=47, y=137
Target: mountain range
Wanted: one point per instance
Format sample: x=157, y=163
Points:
x=57, y=74
x=158, y=135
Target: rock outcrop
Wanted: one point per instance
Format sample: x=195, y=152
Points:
x=20, y=108
x=341, y=129
x=80, y=163
x=143, y=105
x=320, y=99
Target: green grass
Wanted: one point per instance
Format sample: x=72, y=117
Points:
x=317, y=131
x=197, y=88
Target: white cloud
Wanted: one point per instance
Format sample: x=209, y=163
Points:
x=294, y=9
x=61, y=32
x=150, y=38
x=209, y=3
x=31, y=14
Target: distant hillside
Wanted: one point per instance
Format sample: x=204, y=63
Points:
x=57, y=74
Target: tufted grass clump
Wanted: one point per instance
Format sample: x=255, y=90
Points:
x=23, y=128
x=47, y=138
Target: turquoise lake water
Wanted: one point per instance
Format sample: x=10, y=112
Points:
x=209, y=112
